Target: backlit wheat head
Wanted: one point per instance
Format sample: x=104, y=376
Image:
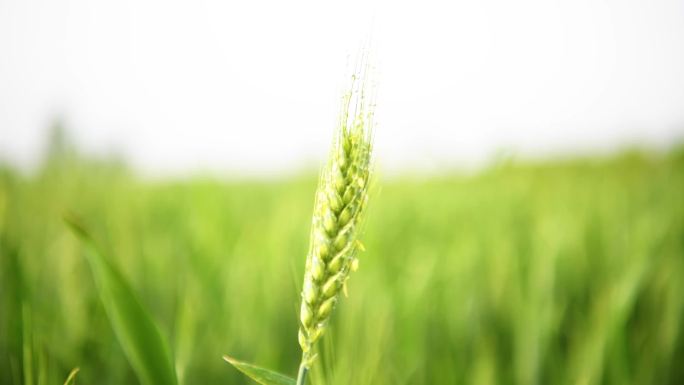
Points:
x=340, y=201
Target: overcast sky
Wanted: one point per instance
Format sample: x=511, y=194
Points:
x=253, y=86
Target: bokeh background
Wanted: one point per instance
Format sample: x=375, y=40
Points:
x=526, y=224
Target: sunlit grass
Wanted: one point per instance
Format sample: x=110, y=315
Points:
x=549, y=273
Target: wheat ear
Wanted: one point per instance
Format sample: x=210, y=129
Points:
x=341, y=198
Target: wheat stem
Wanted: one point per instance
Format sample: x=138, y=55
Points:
x=303, y=371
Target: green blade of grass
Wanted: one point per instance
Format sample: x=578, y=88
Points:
x=139, y=336
x=71, y=379
x=27, y=344
x=259, y=374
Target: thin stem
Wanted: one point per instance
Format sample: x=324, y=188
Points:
x=303, y=371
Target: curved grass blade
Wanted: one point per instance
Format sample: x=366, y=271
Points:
x=259, y=374
x=71, y=379
x=139, y=336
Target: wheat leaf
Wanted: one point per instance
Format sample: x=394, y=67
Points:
x=259, y=374
x=138, y=335
x=71, y=379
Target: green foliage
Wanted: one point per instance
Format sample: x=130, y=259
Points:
x=258, y=374
x=136, y=331
x=546, y=273
x=71, y=378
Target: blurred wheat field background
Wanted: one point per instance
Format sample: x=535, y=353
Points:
x=159, y=162
x=556, y=272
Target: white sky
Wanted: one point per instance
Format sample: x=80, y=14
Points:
x=252, y=86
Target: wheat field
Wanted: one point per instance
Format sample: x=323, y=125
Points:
x=548, y=272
